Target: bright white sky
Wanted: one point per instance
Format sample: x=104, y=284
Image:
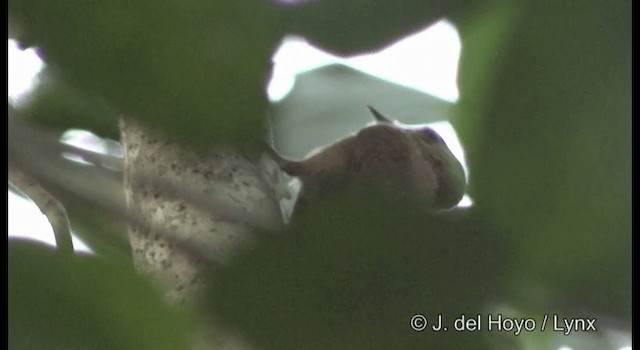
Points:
x=23, y=67
x=426, y=61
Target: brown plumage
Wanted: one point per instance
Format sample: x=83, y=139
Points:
x=414, y=161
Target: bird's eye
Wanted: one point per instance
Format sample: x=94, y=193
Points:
x=431, y=136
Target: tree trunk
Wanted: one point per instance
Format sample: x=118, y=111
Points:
x=192, y=208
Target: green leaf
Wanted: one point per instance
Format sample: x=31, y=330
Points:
x=348, y=27
x=547, y=125
x=351, y=273
x=56, y=104
x=194, y=69
x=485, y=38
x=103, y=233
x=61, y=302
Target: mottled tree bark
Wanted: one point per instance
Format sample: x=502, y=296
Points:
x=185, y=200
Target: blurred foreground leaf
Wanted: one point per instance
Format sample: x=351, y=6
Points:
x=547, y=125
x=57, y=104
x=348, y=27
x=352, y=273
x=194, y=69
x=56, y=302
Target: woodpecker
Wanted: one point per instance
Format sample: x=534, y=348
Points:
x=400, y=158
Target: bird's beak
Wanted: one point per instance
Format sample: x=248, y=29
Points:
x=378, y=116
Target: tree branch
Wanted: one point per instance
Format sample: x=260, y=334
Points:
x=48, y=205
